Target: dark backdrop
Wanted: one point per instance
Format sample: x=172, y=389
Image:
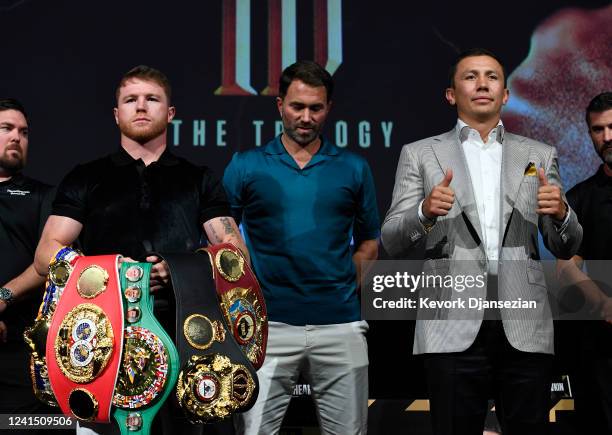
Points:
x=63, y=59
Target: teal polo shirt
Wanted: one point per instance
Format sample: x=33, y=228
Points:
x=298, y=225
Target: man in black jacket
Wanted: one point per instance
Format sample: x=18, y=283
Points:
x=24, y=207
x=592, y=201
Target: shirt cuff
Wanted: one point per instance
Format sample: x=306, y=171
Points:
x=560, y=226
x=426, y=223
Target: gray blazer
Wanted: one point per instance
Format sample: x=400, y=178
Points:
x=457, y=236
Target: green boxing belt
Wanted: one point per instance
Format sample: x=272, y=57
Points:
x=216, y=379
x=150, y=365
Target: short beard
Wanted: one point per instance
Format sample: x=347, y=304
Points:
x=299, y=139
x=143, y=135
x=11, y=165
x=606, y=155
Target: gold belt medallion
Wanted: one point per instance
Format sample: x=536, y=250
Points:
x=84, y=343
x=229, y=264
x=92, y=281
x=59, y=272
x=211, y=388
x=83, y=404
x=200, y=332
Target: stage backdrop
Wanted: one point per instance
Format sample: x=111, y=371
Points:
x=390, y=59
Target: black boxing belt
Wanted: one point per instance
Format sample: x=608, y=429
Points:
x=85, y=339
x=242, y=302
x=150, y=364
x=35, y=336
x=216, y=378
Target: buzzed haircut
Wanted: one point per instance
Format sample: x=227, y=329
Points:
x=144, y=72
x=472, y=52
x=13, y=104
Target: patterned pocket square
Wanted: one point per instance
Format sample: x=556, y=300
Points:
x=531, y=170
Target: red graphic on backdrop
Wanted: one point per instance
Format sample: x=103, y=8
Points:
x=568, y=64
x=282, y=47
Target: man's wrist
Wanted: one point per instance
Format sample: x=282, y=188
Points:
x=426, y=222
x=564, y=215
x=561, y=224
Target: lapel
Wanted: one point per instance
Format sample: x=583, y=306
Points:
x=515, y=156
x=447, y=150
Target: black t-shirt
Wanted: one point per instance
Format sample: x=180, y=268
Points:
x=131, y=209
x=592, y=201
x=24, y=207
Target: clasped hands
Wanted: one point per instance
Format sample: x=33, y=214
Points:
x=159, y=277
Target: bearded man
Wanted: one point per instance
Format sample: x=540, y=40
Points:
x=24, y=207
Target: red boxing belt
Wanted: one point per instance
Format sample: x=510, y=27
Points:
x=85, y=339
x=241, y=300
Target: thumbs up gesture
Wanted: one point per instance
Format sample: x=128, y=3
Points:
x=441, y=198
x=550, y=200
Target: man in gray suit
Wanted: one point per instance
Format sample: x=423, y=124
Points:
x=475, y=198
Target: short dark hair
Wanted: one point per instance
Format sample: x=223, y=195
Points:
x=147, y=73
x=308, y=72
x=13, y=104
x=471, y=53
x=598, y=104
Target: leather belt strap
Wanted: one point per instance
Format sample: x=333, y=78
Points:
x=216, y=379
x=150, y=364
x=241, y=300
x=85, y=338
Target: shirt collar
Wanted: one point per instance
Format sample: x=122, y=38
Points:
x=17, y=179
x=463, y=131
x=122, y=158
x=275, y=146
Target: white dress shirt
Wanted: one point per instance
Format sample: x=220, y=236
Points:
x=484, y=162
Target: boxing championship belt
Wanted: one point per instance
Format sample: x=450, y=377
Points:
x=35, y=336
x=241, y=300
x=150, y=364
x=216, y=378
x=85, y=338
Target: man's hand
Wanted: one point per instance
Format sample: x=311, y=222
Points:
x=550, y=200
x=126, y=260
x=441, y=198
x=3, y=332
x=123, y=260
x=160, y=274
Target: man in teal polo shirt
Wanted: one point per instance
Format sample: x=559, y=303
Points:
x=301, y=200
